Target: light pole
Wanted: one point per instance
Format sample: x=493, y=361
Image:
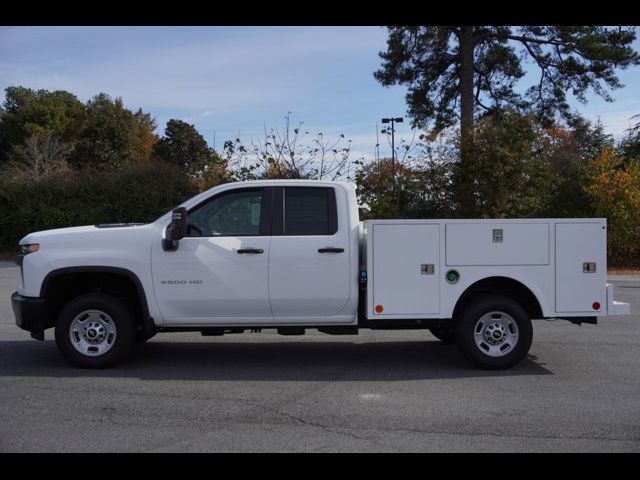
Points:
x=393, y=121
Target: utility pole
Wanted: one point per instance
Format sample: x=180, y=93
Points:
x=378, y=159
x=393, y=121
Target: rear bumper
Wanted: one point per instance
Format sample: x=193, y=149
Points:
x=30, y=314
x=619, y=308
x=613, y=307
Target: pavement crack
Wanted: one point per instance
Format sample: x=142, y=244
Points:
x=310, y=423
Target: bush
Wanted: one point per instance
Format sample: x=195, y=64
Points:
x=87, y=197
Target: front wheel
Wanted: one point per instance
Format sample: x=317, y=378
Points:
x=494, y=332
x=95, y=330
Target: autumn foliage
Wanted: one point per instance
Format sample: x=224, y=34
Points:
x=63, y=162
x=520, y=169
x=613, y=187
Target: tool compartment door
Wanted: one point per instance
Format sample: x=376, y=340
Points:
x=520, y=243
x=405, y=270
x=577, y=290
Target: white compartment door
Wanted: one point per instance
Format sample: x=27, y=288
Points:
x=401, y=254
x=576, y=290
x=520, y=244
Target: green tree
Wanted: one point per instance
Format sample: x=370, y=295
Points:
x=26, y=112
x=134, y=193
x=452, y=72
x=568, y=148
x=590, y=139
x=112, y=135
x=470, y=68
x=509, y=179
x=184, y=146
x=421, y=190
x=630, y=145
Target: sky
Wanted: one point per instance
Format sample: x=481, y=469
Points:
x=232, y=81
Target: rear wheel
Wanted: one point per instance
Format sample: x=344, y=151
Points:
x=445, y=334
x=494, y=332
x=94, y=330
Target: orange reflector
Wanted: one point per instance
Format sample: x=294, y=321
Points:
x=379, y=309
x=596, y=305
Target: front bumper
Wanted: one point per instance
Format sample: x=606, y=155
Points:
x=30, y=314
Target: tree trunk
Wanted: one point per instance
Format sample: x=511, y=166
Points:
x=465, y=187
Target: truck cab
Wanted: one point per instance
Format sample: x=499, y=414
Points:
x=258, y=254
x=293, y=255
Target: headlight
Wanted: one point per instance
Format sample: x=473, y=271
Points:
x=29, y=248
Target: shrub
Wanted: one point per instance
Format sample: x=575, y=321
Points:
x=88, y=196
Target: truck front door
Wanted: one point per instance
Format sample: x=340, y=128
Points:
x=219, y=273
x=309, y=258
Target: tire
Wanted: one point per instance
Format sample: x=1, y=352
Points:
x=95, y=330
x=444, y=334
x=494, y=332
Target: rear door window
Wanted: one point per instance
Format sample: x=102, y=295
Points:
x=310, y=211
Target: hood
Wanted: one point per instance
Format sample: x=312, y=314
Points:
x=88, y=232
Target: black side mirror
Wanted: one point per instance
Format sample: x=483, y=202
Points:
x=178, y=226
x=176, y=230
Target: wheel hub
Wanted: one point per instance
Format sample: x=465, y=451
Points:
x=496, y=334
x=92, y=332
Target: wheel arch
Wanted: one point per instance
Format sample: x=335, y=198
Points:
x=95, y=276
x=501, y=285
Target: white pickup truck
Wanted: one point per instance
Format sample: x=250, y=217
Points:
x=292, y=255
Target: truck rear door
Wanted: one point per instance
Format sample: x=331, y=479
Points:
x=581, y=267
x=309, y=268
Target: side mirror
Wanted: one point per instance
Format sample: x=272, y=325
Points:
x=176, y=230
x=178, y=226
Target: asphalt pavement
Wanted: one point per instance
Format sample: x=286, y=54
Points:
x=579, y=390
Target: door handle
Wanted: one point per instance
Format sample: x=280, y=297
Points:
x=330, y=250
x=250, y=250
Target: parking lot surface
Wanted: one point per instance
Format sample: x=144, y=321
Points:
x=579, y=390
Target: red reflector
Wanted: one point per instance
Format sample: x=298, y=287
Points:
x=379, y=309
x=596, y=305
